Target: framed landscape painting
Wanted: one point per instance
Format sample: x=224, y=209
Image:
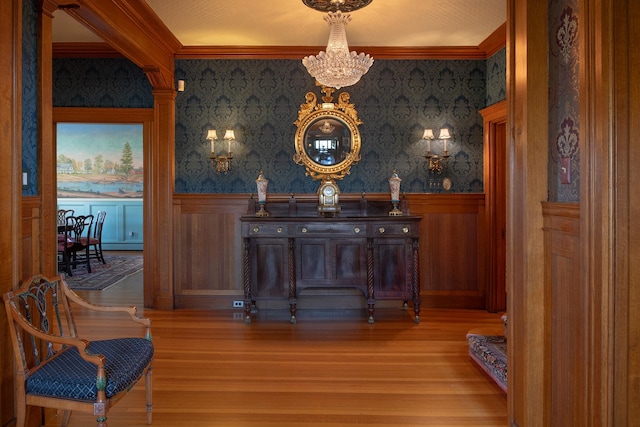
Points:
x=98, y=160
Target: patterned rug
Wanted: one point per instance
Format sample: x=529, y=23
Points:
x=103, y=276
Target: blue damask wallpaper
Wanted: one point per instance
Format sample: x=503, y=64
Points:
x=396, y=100
x=29, y=99
x=95, y=82
x=260, y=99
x=564, y=101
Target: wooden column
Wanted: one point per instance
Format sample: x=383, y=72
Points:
x=10, y=183
x=527, y=98
x=47, y=153
x=158, y=210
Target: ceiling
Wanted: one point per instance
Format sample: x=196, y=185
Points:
x=385, y=23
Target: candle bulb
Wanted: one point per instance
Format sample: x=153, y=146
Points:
x=428, y=135
x=212, y=136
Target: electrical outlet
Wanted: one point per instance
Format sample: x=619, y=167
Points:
x=238, y=304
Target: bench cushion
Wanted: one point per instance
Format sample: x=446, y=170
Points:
x=490, y=353
x=69, y=376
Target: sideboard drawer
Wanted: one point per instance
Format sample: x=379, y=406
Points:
x=392, y=230
x=266, y=229
x=330, y=229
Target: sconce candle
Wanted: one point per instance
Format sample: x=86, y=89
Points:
x=212, y=136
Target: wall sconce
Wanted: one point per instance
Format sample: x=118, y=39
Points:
x=222, y=163
x=180, y=85
x=436, y=162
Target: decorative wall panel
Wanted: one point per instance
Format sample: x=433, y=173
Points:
x=564, y=101
x=29, y=98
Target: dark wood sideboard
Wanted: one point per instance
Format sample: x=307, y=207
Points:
x=362, y=247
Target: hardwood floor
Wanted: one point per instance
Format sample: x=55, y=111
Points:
x=330, y=369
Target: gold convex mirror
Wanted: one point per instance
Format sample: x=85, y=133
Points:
x=327, y=141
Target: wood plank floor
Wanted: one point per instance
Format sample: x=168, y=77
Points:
x=330, y=369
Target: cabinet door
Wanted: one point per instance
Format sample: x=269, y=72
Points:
x=270, y=268
x=392, y=268
x=337, y=262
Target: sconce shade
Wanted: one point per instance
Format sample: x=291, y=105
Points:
x=229, y=134
x=444, y=133
x=428, y=134
x=211, y=134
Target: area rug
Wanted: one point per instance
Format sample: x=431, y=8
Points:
x=103, y=276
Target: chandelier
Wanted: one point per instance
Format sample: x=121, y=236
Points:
x=337, y=67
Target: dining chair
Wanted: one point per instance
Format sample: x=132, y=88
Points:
x=62, y=217
x=95, y=241
x=74, y=246
x=57, y=367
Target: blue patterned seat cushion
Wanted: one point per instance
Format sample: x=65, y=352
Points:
x=67, y=375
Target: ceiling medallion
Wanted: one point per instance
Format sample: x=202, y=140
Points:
x=336, y=5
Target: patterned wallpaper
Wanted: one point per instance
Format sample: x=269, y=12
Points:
x=497, y=77
x=395, y=100
x=564, y=101
x=95, y=82
x=29, y=98
x=260, y=99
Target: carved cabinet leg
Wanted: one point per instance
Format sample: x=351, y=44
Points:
x=371, y=299
x=415, y=282
x=246, y=279
x=292, y=281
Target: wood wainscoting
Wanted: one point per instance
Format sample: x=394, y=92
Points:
x=208, y=247
x=566, y=303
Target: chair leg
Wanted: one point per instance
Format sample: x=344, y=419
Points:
x=66, y=415
x=147, y=385
x=66, y=257
x=88, y=259
x=21, y=413
x=101, y=253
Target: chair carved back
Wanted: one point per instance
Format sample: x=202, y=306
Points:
x=78, y=230
x=63, y=214
x=97, y=230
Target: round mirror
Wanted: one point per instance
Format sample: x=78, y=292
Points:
x=327, y=143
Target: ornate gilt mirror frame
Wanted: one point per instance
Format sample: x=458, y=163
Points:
x=327, y=141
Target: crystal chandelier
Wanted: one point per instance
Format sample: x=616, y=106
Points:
x=337, y=67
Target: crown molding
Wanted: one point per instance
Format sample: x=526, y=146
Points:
x=496, y=41
x=104, y=50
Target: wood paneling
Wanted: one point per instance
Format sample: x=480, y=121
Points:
x=10, y=184
x=527, y=159
x=208, y=248
x=566, y=310
x=452, y=253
